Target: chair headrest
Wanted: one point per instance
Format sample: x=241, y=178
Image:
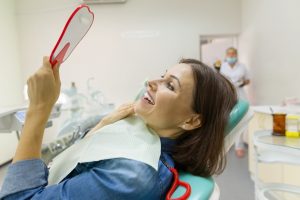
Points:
x=236, y=115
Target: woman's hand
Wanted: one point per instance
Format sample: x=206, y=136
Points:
x=44, y=87
x=122, y=112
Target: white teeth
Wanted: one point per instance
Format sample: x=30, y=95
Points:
x=148, y=97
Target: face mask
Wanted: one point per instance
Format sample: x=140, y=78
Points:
x=231, y=60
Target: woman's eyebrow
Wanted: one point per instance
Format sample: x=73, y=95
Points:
x=174, y=77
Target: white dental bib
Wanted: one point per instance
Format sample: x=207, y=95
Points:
x=128, y=138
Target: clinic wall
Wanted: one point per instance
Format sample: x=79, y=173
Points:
x=127, y=43
x=269, y=45
x=10, y=75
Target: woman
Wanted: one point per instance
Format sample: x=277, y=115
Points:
x=188, y=108
x=237, y=73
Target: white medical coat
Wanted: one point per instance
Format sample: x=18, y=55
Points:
x=237, y=75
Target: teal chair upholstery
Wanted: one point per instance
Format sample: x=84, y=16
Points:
x=202, y=188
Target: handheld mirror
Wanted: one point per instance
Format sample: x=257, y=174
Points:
x=75, y=29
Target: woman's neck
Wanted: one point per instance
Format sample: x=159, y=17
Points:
x=171, y=133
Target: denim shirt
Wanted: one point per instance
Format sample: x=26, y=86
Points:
x=111, y=179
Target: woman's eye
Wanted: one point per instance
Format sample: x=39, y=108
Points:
x=170, y=86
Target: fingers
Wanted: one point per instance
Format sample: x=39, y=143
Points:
x=47, y=65
x=130, y=109
x=123, y=111
x=56, y=73
x=46, y=62
x=125, y=106
x=126, y=110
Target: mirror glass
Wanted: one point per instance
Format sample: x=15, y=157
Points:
x=75, y=29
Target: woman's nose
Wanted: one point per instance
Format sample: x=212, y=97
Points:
x=152, y=84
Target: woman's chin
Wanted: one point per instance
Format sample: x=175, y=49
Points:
x=142, y=108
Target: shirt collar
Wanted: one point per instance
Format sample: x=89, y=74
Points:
x=167, y=144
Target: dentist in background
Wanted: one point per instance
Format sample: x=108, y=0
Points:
x=238, y=75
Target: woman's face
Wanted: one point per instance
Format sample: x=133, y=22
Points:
x=167, y=103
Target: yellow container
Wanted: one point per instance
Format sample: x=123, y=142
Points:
x=292, y=134
x=292, y=126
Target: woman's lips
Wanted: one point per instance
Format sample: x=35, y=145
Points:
x=148, y=98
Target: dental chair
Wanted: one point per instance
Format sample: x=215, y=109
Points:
x=206, y=188
x=201, y=188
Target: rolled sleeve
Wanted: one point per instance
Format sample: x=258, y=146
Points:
x=24, y=175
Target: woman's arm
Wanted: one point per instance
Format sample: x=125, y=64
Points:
x=245, y=82
x=246, y=77
x=43, y=91
x=27, y=176
x=108, y=179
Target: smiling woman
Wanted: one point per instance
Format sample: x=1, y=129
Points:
x=191, y=104
x=178, y=122
x=166, y=106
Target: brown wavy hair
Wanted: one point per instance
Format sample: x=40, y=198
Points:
x=201, y=151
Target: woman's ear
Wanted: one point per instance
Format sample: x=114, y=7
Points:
x=195, y=121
